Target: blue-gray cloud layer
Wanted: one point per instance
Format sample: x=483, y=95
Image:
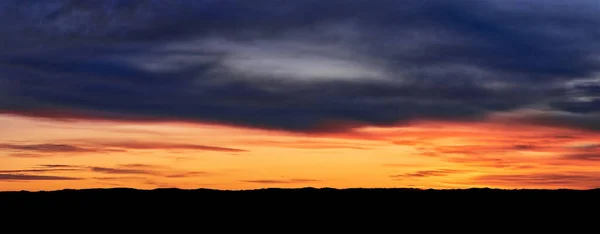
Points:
x=295, y=64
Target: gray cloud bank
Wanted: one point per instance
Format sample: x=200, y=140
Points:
x=297, y=65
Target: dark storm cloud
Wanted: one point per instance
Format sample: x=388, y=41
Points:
x=296, y=65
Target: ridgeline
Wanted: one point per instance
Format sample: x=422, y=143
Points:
x=287, y=210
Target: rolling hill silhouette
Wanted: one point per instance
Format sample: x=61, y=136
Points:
x=308, y=209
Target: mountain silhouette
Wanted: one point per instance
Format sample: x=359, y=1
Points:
x=305, y=209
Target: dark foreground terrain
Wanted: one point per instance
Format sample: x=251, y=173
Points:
x=308, y=209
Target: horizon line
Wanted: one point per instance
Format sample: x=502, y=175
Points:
x=302, y=188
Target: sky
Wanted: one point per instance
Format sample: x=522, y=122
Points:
x=237, y=94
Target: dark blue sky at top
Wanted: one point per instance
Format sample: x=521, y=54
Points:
x=294, y=64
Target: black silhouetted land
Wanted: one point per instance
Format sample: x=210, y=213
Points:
x=309, y=209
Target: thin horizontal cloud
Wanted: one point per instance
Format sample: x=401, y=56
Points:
x=144, y=166
x=400, y=165
x=148, y=145
x=428, y=173
x=61, y=166
x=287, y=181
x=590, y=157
x=593, y=147
x=30, y=155
x=47, y=148
x=408, y=142
x=158, y=184
x=566, y=180
x=524, y=147
x=117, y=178
x=95, y=146
x=41, y=170
x=485, y=149
x=27, y=177
x=107, y=170
x=310, y=144
x=561, y=119
x=119, y=171
x=186, y=174
x=148, y=170
x=501, y=145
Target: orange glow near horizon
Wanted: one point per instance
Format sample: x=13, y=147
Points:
x=38, y=154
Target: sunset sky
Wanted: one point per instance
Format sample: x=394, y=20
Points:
x=240, y=94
